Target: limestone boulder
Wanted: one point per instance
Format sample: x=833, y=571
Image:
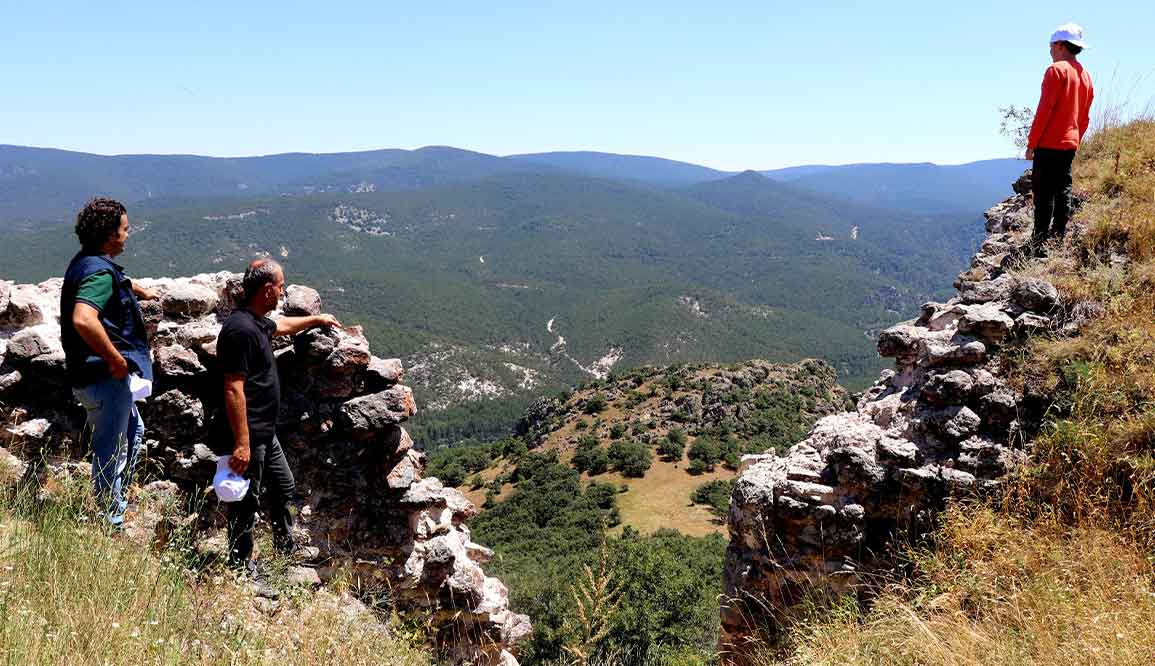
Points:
x=29, y=343
x=176, y=415
x=301, y=301
x=953, y=386
x=986, y=321
x=177, y=362
x=381, y=373
x=26, y=307
x=185, y=300
x=1035, y=295
x=986, y=291
x=375, y=412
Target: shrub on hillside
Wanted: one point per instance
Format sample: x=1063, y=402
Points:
x=671, y=449
x=706, y=450
x=595, y=404
x=714, y=494
x=630, y=458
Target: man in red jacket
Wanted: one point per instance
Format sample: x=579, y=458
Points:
x=1061, y=120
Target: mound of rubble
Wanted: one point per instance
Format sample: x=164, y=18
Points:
x=813, y=520
x=365, y=504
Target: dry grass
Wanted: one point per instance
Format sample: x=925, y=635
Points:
x=1003, y=592
x=71, y=593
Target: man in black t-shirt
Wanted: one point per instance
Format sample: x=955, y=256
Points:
x=252, y=401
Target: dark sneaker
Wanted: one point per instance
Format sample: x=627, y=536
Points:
x=304, y=554
x=259, y=582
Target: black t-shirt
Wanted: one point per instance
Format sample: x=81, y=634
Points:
x=244, y=347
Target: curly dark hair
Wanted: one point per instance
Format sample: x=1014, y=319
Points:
x=98, y=221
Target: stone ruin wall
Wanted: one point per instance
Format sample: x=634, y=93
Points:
x=815, y=518
x=365, y=504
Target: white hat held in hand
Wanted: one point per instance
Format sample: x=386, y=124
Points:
x=1069, y=32
x=227, y=484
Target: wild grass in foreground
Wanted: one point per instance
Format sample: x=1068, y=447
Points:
x=71, y=593
x=1000, y=591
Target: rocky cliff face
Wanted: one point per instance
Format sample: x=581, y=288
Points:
x=941, y=424
x=365, y=503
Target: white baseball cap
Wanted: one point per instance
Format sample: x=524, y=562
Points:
x=227, y=484
x=1069, y=32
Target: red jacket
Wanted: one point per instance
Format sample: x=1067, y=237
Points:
x=1064, y=110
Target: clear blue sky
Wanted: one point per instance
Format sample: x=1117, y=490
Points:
x=740, y=84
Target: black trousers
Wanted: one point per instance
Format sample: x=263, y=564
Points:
x=270, y=479
x=1051, y=184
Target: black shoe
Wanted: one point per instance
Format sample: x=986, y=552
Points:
x=302, y=554
x=259, y=582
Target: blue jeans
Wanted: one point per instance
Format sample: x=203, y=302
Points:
x=116, y=430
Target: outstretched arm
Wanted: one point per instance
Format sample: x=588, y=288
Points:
x=294, y=325
x=144, y=293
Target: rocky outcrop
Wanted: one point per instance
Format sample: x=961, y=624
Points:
x=812, y=521
x=364, y=502
x=696, y=398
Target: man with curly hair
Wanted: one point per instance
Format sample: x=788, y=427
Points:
x=105, y=342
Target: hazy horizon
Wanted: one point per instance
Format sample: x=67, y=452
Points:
x=511, y=155
x=749, y=84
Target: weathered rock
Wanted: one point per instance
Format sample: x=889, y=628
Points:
x=986, y=291
x=27, y=345
x=316, y=344
x=177, y=361
x=1022, y=184
x=374, y=412
x=350, y=355
x=29, y=431
x=24, y=309
x=986, y=321
x=1000, y=407
x=303, y=577
x=948, y=387
x=1035, y=295
x=9, y=378
x=188, y=301
x=958, y=351
x=176, y=415
x=383, y=373
x=1030, y=323
x=899, y=341
x=301, y=301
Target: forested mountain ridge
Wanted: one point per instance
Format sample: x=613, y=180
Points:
x=38, y=184
x=499, y=278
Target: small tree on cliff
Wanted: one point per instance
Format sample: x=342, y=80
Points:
x=1016, y=124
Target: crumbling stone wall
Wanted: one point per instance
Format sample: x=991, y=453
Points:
x=366, y=505
x=814, y=519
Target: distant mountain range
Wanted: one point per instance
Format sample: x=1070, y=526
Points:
x=501, y=277
x=45, y=184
